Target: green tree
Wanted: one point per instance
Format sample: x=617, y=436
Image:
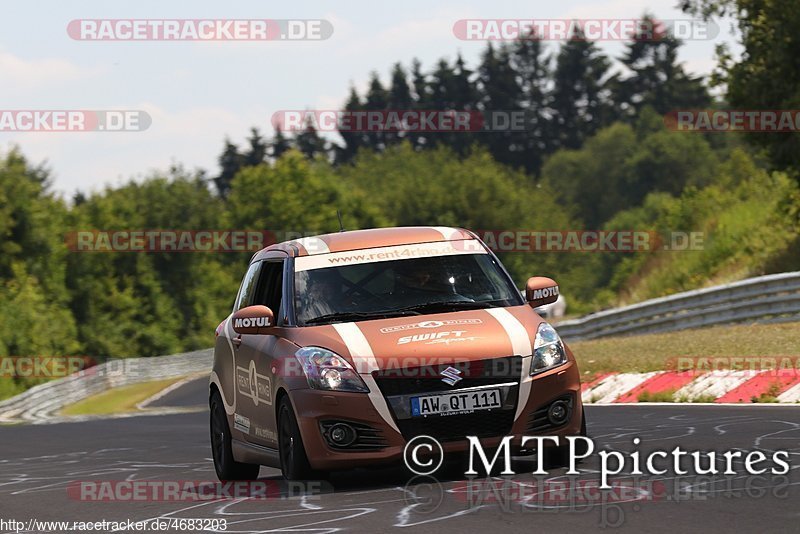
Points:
x=297, y=195
x=230, y=161
x=146, y=304
x=622, y=164
x=580, y=106
x=34, y=301
x=353, y=141
x=656, y=78
x=766, y=75
x=257, y=150
x=533, y=65
x=500, y=95
x=309, y=143
x=279, y=144
x=593, y=178
x=376, y=99
x=399, y=98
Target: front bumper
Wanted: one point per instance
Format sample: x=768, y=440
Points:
x=384, y=446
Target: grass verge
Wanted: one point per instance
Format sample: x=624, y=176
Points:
x=659, y=352
x=118, y=400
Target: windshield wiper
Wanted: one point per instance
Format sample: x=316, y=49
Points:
x=447, y=305
x=355, y=316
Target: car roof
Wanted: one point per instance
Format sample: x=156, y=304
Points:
x=371, y=238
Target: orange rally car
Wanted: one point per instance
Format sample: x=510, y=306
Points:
x=342, y=347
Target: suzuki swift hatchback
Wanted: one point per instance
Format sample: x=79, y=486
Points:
x=341, y=348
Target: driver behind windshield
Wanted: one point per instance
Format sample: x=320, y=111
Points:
x=324, y=294
x=414, y=280
x=400, y=287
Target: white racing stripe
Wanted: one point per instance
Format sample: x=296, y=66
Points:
x=521, y=345
x=447, y=232
x=359, y=347
x=313, y=245
x=364, y=360
x=228, y=333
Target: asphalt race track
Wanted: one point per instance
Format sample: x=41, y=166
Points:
x=40, y=463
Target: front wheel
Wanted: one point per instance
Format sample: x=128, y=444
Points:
x=221, y=450
x=294, y=461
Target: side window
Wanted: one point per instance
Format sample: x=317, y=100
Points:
x=247, y=289
x=270, y=286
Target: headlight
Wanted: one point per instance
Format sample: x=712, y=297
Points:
x=327, y=370
x=548, y=350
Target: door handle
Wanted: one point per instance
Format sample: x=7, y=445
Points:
x=237, y=341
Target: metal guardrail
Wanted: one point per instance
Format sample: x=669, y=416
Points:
x=45, y=400
x=770, y=298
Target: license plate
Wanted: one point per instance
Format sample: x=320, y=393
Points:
x=452, y=403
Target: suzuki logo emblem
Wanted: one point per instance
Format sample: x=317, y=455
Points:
x=451, y=376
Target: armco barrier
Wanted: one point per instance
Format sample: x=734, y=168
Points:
x=45, y=400
x=770, y=298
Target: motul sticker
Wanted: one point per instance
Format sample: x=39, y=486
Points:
x=545, y=292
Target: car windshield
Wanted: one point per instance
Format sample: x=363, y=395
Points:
x=401, y=287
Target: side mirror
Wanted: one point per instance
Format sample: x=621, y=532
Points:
x=540, y=290
x=253, y=320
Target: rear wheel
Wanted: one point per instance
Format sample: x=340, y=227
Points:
x=294, y=461
x=226, y=467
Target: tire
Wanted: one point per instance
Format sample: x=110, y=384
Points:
x=292, y=453
x=221, y=450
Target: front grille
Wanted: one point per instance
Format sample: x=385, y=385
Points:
x=538, y=421
x=428, y=378
x=368, y=438
x=457, y=427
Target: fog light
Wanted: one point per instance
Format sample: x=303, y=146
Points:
x=342, y=435
x=558, y=412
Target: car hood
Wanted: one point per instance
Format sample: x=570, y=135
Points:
x=443, y=338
